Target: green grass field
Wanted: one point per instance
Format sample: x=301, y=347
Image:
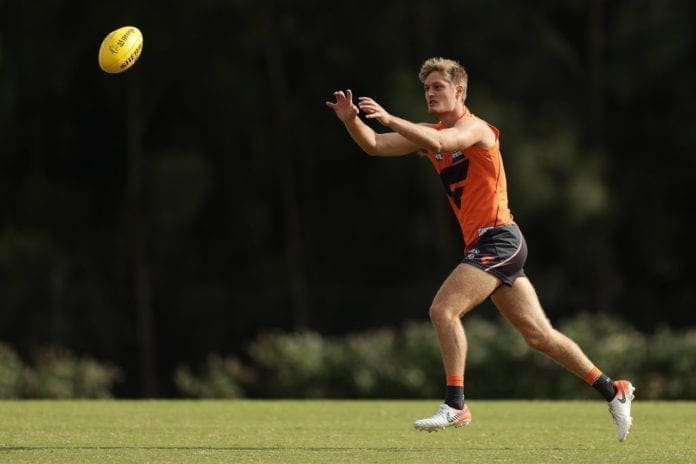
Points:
x=338, y=432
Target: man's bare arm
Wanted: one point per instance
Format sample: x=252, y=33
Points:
x=372, y=143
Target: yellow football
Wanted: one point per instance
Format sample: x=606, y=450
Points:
x=120, y=49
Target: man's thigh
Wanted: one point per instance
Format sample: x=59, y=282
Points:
x=520, y=305
x=465, y=288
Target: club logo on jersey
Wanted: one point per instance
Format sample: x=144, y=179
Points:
x=457, y=156
x=439, y=156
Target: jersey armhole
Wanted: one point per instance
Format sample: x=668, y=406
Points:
x=495, y=130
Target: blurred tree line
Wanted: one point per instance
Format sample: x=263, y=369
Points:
x=206, y=195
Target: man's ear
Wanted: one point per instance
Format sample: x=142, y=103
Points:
x=460, y=91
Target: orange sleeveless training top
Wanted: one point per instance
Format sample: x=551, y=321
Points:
x=474, y=179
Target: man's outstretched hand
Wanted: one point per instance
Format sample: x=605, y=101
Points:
x=374, y=110
x=343, y=106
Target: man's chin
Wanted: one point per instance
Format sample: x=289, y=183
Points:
x=432, y=110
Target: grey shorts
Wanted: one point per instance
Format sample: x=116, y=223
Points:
x=501, y=251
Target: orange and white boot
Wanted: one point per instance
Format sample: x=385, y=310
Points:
x=445, y=416
x=620, y=407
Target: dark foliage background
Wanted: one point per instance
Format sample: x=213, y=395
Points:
x=208, y=195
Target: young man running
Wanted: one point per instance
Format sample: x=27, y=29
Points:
x=465, y=152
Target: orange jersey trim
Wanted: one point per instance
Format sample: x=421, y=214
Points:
x=475, y=183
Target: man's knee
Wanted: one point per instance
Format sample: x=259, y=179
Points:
x=442, y=314
x=539, y=339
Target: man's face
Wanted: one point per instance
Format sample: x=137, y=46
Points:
x=440, y=94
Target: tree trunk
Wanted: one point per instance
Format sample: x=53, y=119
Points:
x=145, y=333
x=282, y=129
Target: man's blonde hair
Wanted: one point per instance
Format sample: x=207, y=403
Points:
x=452, y=70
